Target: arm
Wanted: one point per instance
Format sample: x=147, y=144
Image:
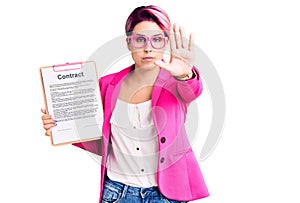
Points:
x=190, y=88
x=91, y=146
x=187, y=78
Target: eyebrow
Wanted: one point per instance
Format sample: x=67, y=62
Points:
x=146, y=35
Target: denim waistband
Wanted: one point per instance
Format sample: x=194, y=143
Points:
x=136, y=191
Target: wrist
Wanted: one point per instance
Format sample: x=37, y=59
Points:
x=185, y=76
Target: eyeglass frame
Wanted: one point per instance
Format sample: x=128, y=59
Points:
x=148, y=38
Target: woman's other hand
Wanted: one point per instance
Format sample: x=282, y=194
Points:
x=48, y=122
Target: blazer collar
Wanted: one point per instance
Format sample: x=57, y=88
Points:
x=121, y=75
x=115, y=84
x=161, y=79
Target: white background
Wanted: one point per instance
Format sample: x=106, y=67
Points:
x=254, y=45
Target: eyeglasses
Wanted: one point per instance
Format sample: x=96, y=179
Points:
x=140, y=41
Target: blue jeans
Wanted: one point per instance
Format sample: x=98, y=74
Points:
x=116, y=192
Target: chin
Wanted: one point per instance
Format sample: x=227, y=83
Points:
x=146, y=65
x=150, y=65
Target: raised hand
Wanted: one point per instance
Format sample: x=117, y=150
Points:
x=180, y=64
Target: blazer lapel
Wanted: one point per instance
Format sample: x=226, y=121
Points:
x=114, y=88
x=160, y=82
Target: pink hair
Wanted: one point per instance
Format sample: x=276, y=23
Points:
x=148, y=13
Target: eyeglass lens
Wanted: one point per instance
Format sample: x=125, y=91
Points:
x=157, y=42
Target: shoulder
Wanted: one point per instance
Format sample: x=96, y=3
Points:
x=107, y=78
x=114, y=77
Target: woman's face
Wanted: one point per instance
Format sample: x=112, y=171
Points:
x=147, y=44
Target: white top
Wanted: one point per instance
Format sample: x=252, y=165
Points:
x=134, y=154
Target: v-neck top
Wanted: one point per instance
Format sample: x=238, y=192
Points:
x=134, y=154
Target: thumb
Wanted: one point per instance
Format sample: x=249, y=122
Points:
x=162, y=64
x=43, y=110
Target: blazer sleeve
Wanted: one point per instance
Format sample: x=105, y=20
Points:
x=190, y=89
x=93, y=146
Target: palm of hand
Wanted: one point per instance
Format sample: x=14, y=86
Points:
x=181, y=58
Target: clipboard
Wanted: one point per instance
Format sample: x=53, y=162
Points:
x=72, y=96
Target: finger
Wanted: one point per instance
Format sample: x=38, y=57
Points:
x=191, y=42
x=48, y=132
x=49, y=121
x=182, y=36
x=47, y=117
x=43, y=110
x=49, y=126
x=172, y=40
x=161, y=64
x=177, y=36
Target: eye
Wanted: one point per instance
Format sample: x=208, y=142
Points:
x=157, y=39
x=140, y=39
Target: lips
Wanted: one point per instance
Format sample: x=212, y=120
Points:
x=148, y=58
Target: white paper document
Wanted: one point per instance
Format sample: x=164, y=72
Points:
x=72, y=97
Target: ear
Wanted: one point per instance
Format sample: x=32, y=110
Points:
x=128, y=43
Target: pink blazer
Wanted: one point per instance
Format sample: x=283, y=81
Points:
x=178, y=175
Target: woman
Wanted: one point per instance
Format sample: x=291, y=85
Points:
x=146, y=155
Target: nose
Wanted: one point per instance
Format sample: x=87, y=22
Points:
x=148, y=50
x=148, y=47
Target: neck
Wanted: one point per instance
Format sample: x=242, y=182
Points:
x=146, y=74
